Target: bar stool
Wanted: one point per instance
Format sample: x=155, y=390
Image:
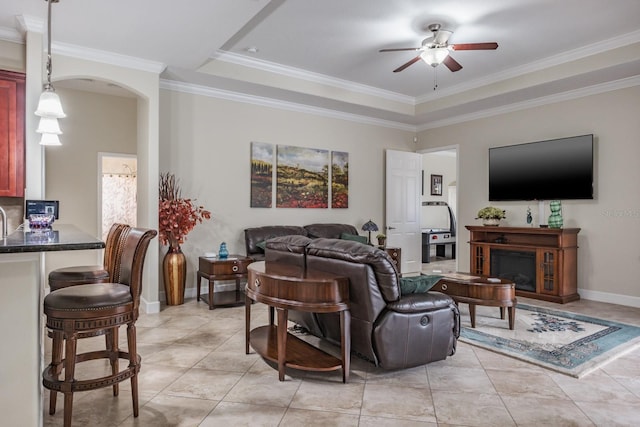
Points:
x=79, y=275
x=76, y=311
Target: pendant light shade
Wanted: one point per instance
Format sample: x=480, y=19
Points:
x=49, y=105
x=50, y=139
x=49, y=125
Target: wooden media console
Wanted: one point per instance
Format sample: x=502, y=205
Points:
x=542, y=262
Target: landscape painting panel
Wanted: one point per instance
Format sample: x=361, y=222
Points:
x=339, y=180
x=261, y=174
x=302, y=177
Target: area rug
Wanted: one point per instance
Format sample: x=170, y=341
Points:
x=569, y=343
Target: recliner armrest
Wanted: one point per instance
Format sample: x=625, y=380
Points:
x=427, y=302
x=416, y=303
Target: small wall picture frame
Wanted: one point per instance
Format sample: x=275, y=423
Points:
x=436, y=185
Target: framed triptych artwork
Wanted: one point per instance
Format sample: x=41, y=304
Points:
x=339, y=179
x=261, y=175
x=304, y=177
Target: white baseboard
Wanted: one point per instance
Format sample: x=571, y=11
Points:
x=192, y=292
x=630, y=301
x=619, y=299
x=150, y=307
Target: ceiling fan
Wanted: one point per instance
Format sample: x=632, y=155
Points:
x=435, y=49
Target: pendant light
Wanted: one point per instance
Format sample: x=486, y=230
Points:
x=49, y=106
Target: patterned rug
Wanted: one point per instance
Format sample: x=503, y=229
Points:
x=570, y=343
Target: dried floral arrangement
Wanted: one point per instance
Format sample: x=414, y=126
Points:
x=177, y=215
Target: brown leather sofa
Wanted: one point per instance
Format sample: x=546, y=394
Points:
x=393, y=331
x=254, y=238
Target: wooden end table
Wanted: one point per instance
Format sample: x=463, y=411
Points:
x=234, y=267
x=285, y=287
x=475, y=290
x=395, y=254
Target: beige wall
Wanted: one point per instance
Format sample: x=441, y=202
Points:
x=12, y=56
x=94, y=123
x=609, y=255
x=206, y=141
x=438, y=163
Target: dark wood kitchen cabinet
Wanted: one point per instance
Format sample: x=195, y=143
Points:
x=12, y=94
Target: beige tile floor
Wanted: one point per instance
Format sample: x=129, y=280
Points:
x=195, y=373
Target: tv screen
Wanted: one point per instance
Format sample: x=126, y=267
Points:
x=41, y=207
x=558, y=169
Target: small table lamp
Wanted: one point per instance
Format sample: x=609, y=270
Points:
x=369, y=226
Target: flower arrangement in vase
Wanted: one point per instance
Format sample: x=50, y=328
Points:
x=491, y=215
x=177, y=217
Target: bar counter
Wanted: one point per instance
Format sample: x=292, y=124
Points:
x=60, y=238
x=22, y=279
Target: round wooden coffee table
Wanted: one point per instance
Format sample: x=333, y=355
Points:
x=474, y=290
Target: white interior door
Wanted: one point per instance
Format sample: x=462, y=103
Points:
x=402, y=199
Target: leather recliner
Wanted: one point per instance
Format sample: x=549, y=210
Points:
x=389, y=329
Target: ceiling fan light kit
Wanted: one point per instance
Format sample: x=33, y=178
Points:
x=434, y=56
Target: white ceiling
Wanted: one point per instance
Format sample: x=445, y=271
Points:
x=324, y=54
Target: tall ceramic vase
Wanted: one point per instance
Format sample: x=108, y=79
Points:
x=174, y=269
x=555, y=219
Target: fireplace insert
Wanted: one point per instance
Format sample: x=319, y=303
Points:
x=516, y=266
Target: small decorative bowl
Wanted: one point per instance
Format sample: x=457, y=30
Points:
x=41, y=222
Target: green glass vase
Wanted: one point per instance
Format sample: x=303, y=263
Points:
x=555, y=219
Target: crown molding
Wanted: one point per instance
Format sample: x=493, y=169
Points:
x=324, y=112
x=110, y=58
x=279, y=104
x=11, y=35
x=538, y=65
x=301, y=74
x=27, y=23
x=24, y=24
x=538, y=102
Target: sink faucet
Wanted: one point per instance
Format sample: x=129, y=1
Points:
x=4, y=223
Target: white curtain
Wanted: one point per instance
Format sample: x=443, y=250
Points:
x=118, y=201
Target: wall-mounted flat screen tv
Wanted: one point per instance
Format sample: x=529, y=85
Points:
x=558, y=169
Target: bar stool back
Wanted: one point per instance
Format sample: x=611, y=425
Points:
x=77, y=311
x=79, y=275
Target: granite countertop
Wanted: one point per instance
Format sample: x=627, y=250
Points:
x=61, y=238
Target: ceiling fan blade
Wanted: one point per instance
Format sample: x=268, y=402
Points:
x=405, y=65
x=452, y=64
x=474, y=46
x=400, y=49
